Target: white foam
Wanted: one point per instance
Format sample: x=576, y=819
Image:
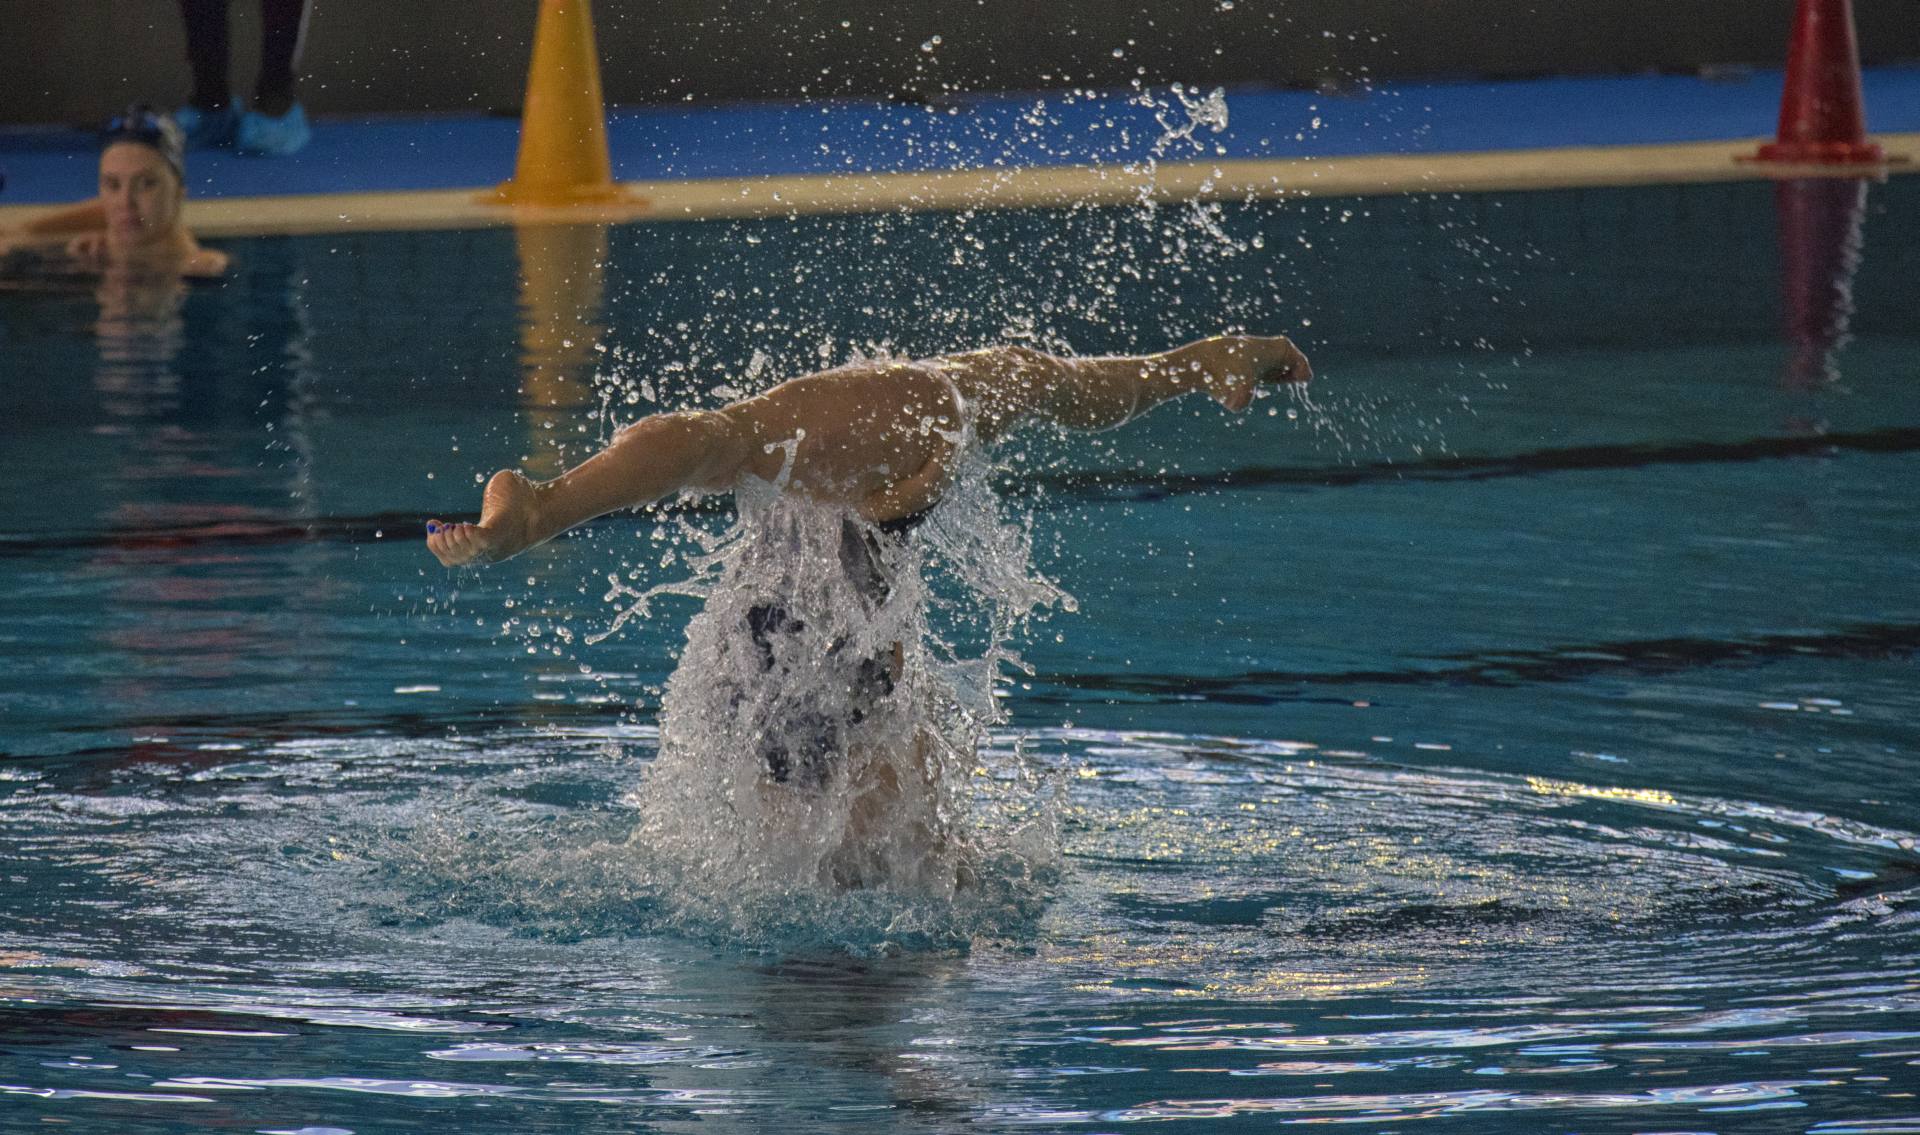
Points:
x=784, y=766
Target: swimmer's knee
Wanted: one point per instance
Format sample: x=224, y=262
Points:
x=659, y=428
x=699, y=449
x=696, y=429
x=632, y=432
x=1013, y=359
x=713, y=441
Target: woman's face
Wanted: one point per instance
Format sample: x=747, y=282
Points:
x=140, y=192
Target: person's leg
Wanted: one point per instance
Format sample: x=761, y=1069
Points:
x=651, y=459
x=206, y=23
x=1012, y=384
x=212, y=113
x=283, y=33
x=276, y=125
x=1087, y=393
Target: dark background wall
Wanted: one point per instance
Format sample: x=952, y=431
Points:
x=67, y=61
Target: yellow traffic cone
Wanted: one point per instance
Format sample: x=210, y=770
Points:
x=563, y=134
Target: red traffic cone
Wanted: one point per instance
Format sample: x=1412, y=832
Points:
x=1821, y=115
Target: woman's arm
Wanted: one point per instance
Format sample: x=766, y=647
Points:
x=52, y=233
x=67, y=220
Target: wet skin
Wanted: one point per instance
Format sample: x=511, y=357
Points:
x=876, y=437
x=134, y=226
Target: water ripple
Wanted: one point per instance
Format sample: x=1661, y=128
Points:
x=677, y=1099
x=583, y=1052
x=1396, y=1107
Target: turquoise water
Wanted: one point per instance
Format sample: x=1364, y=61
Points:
x=1515, y=734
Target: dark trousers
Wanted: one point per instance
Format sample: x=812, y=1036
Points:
x=283, y=25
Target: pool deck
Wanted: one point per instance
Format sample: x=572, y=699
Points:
x=1042, y=148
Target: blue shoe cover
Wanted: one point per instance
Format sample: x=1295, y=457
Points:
x=273, y=136
x=208, y=129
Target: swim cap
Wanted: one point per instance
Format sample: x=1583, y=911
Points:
x=141, y=124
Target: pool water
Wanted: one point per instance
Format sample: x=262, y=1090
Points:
x=1516, y=732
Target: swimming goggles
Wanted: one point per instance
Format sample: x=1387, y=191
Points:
x=142, y=125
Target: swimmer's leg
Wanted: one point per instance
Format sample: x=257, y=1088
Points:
x=1227, y=368
x=1013, y=384
x=651, y=459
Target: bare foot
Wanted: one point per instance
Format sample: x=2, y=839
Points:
x=1244, y=363
x=506, y=525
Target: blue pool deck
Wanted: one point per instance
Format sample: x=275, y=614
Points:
x=757, y=140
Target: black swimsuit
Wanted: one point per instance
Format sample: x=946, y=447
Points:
x=803, y=753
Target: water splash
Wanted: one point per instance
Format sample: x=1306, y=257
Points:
x=818, y=732
x=1209, y=111
x=820, y=777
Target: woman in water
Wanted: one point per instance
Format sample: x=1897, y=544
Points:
x=134, y=227
x=806, y=721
